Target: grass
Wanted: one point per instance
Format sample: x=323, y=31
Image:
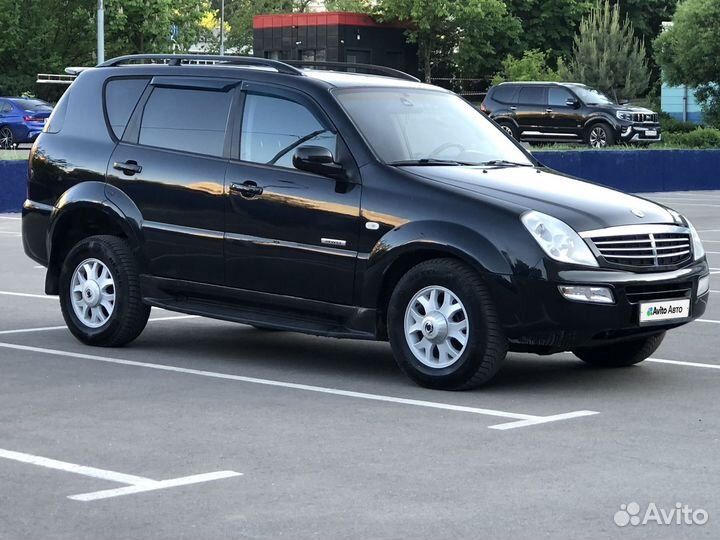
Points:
x=13, y=155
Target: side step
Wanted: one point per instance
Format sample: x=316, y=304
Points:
x=260, y=309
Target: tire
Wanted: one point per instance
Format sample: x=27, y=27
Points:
x=509, y=128
x=82, y=269
x=7, y=139
x=600, y=135
x=477, y=360
x=626, y=353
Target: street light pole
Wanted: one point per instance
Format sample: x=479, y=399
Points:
x=222, y=27
x=100, y=32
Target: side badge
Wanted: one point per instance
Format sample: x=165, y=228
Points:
x=372, y=226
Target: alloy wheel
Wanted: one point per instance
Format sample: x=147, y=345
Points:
x=598, y=137
x=7, y=140
x=436, y=327
x=92, y=293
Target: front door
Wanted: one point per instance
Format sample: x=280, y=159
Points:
x=289, y=232
x=563, y=120
x=171, y=163
x=530, y=112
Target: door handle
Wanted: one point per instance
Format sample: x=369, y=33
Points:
x=513, y=108
x=248, y=189
x=548, y=110
x=129, y=168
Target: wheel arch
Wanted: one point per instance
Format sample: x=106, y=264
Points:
x=84, y=211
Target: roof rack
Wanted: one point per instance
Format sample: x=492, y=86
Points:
x=52, y=78
x=368, y=68
x=180, y=59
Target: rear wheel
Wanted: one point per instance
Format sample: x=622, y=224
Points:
x=600, y=135
x=7, y=139
x=509, y=128
x=100, y=292
x=625, y=353
x=443, y=326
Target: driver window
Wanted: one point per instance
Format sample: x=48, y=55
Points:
x=273, y=126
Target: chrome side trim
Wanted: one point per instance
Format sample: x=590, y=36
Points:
x=32, y=205
x=181, y=229
x=635, y=229
x=271, y=242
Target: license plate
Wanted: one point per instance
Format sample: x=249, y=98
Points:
x=666, y=310
x=651, y=132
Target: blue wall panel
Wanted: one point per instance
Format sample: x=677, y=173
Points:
x=13, y=185
x=641, y=171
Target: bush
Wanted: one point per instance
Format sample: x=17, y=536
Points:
x=671, y=125
x=698, y=138
x=533, y=66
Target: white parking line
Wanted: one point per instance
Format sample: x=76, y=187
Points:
x=28, y=295
x=526, y=419
x=681, y=363
x=708, y=321
x=64, y=327
x=136, y=484
x=11, y=217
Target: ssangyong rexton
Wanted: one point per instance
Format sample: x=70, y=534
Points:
x=345, y=205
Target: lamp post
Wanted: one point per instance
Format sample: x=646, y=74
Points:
x=100, y=32
x=222, y=27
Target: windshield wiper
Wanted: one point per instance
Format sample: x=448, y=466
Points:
x=430, y=161
x=505, y=163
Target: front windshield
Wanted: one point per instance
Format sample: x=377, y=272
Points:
x=590, y=96
x=414, y=125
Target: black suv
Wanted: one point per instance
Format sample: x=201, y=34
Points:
x=568, y=112
x=344, y=205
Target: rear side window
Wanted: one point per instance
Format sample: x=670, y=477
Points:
x=505, y=94
x=185, y=119
x=121, y=96
x=532, y=95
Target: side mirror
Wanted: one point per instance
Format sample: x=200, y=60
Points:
x=318, y=160
x=572, y=102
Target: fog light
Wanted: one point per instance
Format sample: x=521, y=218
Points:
x=597, y=295
x=703, y=285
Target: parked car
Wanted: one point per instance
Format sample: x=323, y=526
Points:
x=344, y=205
x=21, y=120
x=568, y=112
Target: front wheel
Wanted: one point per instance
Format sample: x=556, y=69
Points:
x=625, y=353
x=600, y=135
x=100, y=292
x=443, y=326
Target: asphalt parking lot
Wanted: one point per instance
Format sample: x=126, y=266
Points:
x=205, y=429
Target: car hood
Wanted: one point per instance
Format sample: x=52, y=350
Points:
x=631, y=108
x=582, y=205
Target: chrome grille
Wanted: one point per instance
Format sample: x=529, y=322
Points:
x=644, y=117
x=642, y=245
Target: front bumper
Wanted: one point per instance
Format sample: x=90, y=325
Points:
x=537, y=318
x=633, y=133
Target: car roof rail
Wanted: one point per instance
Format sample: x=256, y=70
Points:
x=368, y=68
x=180, y=59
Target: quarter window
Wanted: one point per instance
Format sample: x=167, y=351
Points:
x=121, y=96
x=184, y=119
x=5, y=107
x=531, y=95
x=273, y=127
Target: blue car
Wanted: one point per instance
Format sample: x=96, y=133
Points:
x=21, y=120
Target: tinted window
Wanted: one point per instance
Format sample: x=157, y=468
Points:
x=557, y=96
x=121, y=96
x=5, y=107
x=272, y=128
x=504, y=94
x=183, y=119
x=532, y=95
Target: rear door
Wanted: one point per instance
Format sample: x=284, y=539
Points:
x=171, y=161
x=530, y=112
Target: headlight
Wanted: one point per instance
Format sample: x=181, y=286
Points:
x=698, y=249
x=624, y=115
x=557, y=239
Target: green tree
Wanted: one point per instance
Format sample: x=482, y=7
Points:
x=607, y=55
x=549, y=25
x=646, y=16
x=139, y=26
x=688, y=52
x=357, y=6
x=533, y=66
x=472, y=35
